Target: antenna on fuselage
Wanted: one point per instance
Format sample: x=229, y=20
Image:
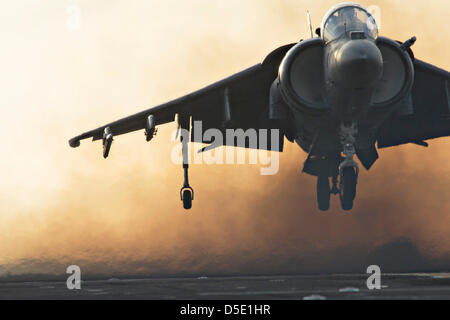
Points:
x=308, y=16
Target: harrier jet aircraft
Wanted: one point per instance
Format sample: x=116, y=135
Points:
x=341, y=94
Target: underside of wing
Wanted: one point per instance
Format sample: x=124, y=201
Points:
x=427, y=113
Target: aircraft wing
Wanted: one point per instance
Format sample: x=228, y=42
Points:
x=247, y=95
x=428, y=116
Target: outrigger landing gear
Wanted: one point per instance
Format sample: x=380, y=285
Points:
x=348, y=169
x=186, y=192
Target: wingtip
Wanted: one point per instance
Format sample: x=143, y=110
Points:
x=74, y=142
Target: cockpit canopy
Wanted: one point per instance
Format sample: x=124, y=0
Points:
x=346, y=18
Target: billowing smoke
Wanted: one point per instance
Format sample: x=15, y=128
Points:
x=123, y=216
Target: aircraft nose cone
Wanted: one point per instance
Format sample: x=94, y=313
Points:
x=359, y=64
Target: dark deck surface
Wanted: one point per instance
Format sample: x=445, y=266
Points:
x=394, y=286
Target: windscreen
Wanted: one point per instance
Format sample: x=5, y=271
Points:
x=346, y=19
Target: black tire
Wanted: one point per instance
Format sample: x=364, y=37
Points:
x=323, y=193
x=187, y=199
x=348, y=188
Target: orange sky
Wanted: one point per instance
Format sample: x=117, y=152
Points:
x=62, y=206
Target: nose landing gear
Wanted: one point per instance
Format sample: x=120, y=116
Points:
x=345, y=178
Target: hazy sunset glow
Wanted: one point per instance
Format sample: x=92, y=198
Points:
x=62, y=206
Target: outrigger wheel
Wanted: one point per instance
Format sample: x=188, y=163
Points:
x=186, y=192
x=187, y=195
x=323, y=192
x=348, y=181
